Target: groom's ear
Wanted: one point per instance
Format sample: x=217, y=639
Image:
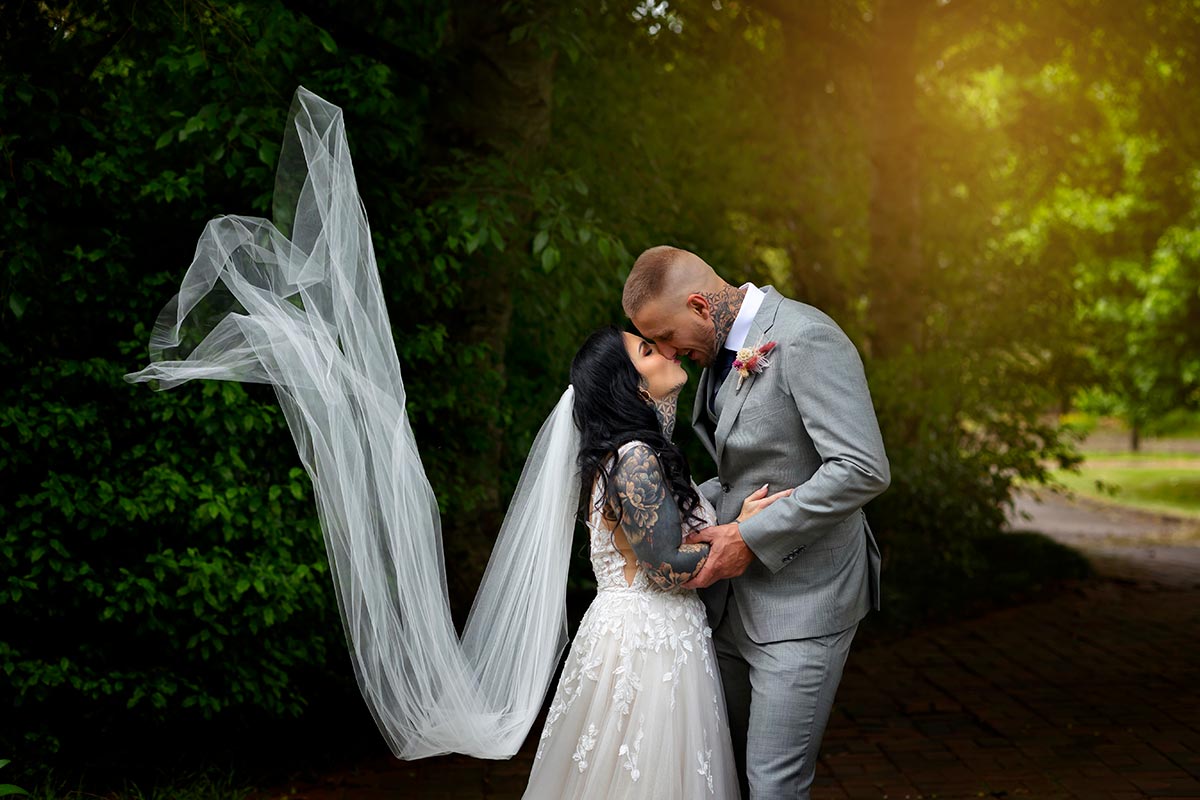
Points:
x=698, y=304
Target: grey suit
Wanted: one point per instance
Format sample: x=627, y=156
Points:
x=783, y=628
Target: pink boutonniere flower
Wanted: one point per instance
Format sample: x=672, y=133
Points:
x=752, y=360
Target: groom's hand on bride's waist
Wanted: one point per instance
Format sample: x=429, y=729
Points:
x=728, y=555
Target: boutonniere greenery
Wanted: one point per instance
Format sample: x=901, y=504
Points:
x=752, y=361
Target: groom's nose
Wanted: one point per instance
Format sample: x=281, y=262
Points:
x=666, y=349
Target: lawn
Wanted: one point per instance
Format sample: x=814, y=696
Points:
x=1143, y=457
x=1167, y=484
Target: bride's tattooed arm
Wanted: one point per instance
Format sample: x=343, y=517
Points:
x=650, y=519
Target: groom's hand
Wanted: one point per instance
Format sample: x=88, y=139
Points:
x=728, y=556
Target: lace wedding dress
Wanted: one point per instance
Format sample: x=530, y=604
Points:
x=639, y=711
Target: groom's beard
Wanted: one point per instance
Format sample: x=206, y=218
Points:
x=708, y=356
x=714, y=340
x=715, y=343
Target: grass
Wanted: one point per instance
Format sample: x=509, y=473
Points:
x=204, y=785
x=1138, y=482
x=1139, y=457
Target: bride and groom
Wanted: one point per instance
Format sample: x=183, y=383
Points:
x=708, y=661
x=663, y=695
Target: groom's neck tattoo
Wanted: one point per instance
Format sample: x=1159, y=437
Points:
x=665, y=409
x=724, y=306
x=650, y=519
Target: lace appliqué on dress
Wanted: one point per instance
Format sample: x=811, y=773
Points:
x=631, y=757
x=586, y=742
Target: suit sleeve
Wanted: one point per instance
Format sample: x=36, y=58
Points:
x=711, y=489
x=825, y=377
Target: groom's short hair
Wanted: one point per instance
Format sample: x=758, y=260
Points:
x=648, y=277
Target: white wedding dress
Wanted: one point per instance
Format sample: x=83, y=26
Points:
x=639, y=711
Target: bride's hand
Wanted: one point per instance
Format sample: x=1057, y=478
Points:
x=758, y=501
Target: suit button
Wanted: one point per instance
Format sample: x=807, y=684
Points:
x=725, y=488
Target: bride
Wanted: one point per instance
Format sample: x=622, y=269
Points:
x=639, y=710
x=296, y=303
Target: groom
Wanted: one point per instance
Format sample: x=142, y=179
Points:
x=785, y=589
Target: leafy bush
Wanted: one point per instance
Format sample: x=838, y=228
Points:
x=126, y=543
x=957, y=449
x=8, y=789
x=161, y=559
x=203, y=784
x=1080, y=423
x=1180, y=422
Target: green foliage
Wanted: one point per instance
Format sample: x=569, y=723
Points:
x=8, y=789
x=209, y=552
x=1180, y=422
x=169, y=542
x=955, y=459
x=1101, y=140
x=513, y=158
x=205, y=784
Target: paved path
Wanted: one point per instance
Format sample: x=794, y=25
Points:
x=1122, y=543
x=1091, y=695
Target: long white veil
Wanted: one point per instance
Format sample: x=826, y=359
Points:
x=298, y=305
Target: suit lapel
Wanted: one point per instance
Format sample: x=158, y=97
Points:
x=763, y=320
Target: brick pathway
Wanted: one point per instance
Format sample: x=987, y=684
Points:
x=1091, y=695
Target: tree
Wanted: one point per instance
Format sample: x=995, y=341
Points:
x=996, y=200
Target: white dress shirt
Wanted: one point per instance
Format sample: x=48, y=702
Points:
x=738, y=333
x=736, y=339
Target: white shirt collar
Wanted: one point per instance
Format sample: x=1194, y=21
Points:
x=745, y=318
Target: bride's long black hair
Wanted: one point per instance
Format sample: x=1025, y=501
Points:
x=609, y=412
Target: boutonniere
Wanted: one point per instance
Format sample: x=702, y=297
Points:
x=752, y=360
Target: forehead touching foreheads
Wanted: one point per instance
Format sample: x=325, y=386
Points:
x=664, y=276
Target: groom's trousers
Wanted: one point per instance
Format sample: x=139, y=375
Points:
x=779, y=696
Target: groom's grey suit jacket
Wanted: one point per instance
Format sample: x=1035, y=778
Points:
x=805, y=422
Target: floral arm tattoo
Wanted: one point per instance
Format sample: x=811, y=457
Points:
x=650, y=519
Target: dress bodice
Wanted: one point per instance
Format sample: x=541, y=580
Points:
x=608, y=563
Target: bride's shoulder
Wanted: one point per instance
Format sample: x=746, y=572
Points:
x=630, y=445
x=634, y=453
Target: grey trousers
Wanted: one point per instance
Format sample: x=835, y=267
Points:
x=779, y=696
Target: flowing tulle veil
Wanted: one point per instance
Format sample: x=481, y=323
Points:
x=297, y=304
